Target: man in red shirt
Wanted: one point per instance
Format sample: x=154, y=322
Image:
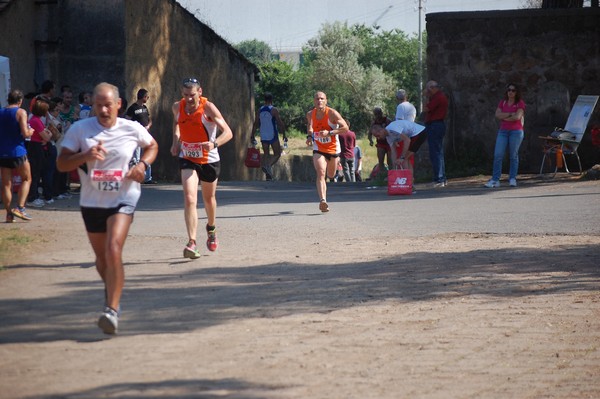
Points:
x=436, y=110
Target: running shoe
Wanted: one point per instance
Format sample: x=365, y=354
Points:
x=49, y=201
x=267, y=172
x=492, y=184
x=63, y=196
x=10, y=218
x=323, y=207
x=20, y=213
x=190, y=251
x=109, y=321
x=37, y=203
x=212, y=243
x=512, y=182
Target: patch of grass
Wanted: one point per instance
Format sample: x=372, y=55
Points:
x=9, y=239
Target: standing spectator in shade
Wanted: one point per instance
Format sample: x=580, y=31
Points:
x=324, y=126
x=138, y=111
x=70, y=111
x=347, y=144
x=85, y=104
x=357, y=163
x=436, y=109
x=110, y=189
x=37, y=149
x=269, y=124
x=405, y=110
x=47, y=92
x=13, y=155
x=510, y=112
x=383, y=148
x=61, y=179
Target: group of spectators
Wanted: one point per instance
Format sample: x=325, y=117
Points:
x=49, y=117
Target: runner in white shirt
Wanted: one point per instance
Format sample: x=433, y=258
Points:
x=100, y=148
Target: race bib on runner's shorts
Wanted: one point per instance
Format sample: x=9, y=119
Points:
x=107, y=179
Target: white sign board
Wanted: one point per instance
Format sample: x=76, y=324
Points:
x=4, y=80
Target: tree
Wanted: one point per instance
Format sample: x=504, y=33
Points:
x=352, y=88
x=256, y=51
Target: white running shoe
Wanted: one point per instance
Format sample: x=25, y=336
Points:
x=37, y=203
x=512, y=182
x=492, y=184
x=109, y=321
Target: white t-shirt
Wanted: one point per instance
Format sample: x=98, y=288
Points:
x=408, y=128
x=406, y=111
x=105, y=185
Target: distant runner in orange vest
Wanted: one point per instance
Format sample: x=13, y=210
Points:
x=324, y=124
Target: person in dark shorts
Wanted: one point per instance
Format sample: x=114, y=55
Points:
x=100, y=148
x=196, y=122
x=13, y=155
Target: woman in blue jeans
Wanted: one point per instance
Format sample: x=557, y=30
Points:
x=510, y=112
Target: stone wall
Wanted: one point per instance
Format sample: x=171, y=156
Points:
x=553, y=54
x=152, y=44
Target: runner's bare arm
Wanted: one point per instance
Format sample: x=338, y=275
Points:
x=138, y=172
x=336, y=119
x=69, y=160
x=309, y=129
x=26, y=131
x=212, y=112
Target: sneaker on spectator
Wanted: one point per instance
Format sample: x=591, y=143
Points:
x=190, y=251
x=512, y=182
x=49, y=201
x=20, y=213
x=37, y=203
x=109, y=321
x=492, y=184
x=212, y=243
x=63, y=196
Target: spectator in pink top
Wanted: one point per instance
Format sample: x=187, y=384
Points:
x=37, y=149
x=510, y=112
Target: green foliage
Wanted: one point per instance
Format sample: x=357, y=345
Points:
x=256, y=51
x=357, y=67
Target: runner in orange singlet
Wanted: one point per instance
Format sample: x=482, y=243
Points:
x=196, y=122
x=324, y=124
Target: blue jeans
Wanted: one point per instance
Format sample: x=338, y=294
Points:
x=512, y=139
x=435, y=138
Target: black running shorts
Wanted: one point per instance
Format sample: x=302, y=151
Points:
x=95, y=218
x=208, y=172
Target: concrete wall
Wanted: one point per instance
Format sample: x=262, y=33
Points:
x=553, y=54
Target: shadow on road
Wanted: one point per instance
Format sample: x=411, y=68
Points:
x=181, y=301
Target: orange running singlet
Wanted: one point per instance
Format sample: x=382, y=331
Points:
x=329, y=144
x=192, y=132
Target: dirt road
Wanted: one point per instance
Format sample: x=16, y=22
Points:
x=462, y=292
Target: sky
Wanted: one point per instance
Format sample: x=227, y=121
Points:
x=286, y=25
